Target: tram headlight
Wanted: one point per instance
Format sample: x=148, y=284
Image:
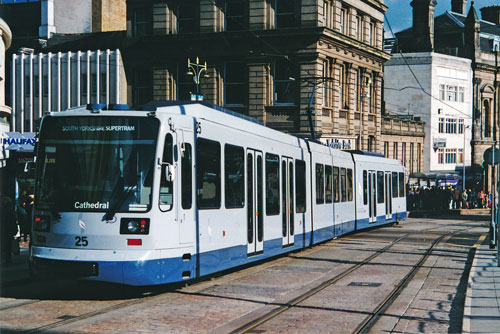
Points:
x=134, y=226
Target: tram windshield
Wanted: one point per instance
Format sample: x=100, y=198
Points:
x=96, y=163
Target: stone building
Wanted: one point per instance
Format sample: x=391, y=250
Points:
x=269, y=59
x=464, y=35
x=403, y=139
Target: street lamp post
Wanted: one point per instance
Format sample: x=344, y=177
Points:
x=196, y=70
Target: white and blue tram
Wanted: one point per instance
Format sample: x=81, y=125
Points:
x=186, y=190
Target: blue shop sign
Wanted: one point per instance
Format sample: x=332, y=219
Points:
x=16, y=141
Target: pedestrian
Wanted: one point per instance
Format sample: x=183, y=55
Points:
x=464, y=199
x=8, y=228
x=480, y=199
x=456, y=198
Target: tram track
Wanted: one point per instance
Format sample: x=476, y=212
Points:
x=373, y=316
x=283, y=307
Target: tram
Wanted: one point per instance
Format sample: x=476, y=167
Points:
x=189, y=189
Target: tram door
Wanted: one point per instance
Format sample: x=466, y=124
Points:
x=372, y=196
x=287, y=208
x=255, y=204
x=388, y=196
x=186, y=213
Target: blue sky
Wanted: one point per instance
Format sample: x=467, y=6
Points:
x=399, y=13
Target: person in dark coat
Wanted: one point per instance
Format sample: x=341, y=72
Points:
x=9, y=227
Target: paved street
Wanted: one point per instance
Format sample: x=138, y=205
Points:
x=413, y=277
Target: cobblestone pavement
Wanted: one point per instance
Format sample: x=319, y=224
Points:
x=432, y=302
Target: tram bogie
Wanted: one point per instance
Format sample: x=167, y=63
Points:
x=187, y=190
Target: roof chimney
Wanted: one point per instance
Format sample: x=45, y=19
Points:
x=459, y=6
x=423, y=24
x=491, y=14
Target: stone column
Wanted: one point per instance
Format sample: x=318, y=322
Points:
x=259, y=89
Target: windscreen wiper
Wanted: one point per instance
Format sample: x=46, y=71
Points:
x=112, y=210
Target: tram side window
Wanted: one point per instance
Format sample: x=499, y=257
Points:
x=395, y=185
x=336, y=184
x=328, y=188
x=166, y=187
x=365, y=187
x=208, y=174
x=187, y=177
x=320, y=184
x=349, y=184
x=300, y=186
x=401, y=184
x=343, y=184
x=272, y=184
x=380, y=187
x=234, y=169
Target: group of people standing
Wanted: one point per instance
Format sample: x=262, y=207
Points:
x=446, y=198
x=16, y=223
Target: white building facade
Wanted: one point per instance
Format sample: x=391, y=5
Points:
x=438, y=89
x=58, y=81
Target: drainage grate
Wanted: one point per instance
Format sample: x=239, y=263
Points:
x=365, y=284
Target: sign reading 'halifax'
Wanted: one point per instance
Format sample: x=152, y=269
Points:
x=15, y=141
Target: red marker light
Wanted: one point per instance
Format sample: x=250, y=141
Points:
x=134, y=242
x=37, y=219
x=143, y=224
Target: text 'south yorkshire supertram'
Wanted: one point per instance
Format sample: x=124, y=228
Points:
x=186, y=190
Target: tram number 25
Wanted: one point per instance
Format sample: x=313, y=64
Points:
x=81, y=241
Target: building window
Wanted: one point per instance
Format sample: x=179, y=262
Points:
x=328, y=14
x=450, y=156
x=372, y=33
x=451, y=93
x=235, y=83
x=284, y=11
x=441, y=125
x=487, y=119
x=285, y=85
x=460, y=126
x=356, y=27
x=142, y=87
x=440, y=156
x=386, y=149
x=187, y=14
x=460, y=154
x=403, y=153
x=343, y=21
x=395, y=151
x=342, y=88
x=142, y=21
x=451, y=125
x=355, y=90
x=461, y=94
x=419, y=157
x=235, y=15
x=412, y=157
x=441, y=92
